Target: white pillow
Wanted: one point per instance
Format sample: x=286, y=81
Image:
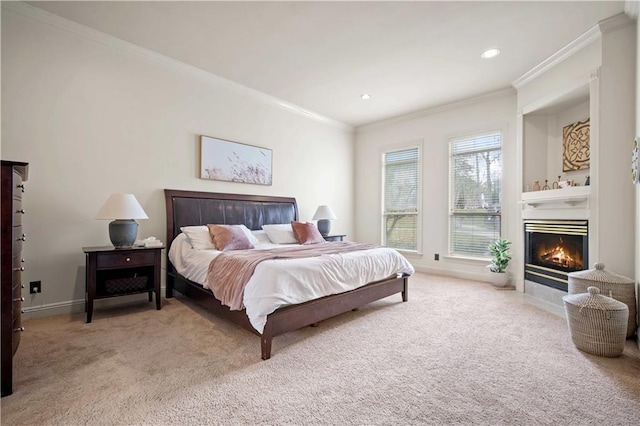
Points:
x=252, y=238
x=261, y=236
x=199, y=237
x=280, y=234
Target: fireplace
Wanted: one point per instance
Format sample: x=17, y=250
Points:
x=553, y=248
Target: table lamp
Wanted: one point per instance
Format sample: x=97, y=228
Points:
x=124, y=208
x=324, y=215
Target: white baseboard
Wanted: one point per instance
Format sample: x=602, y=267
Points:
x=76, y=306
x=473, y=276
x=50, y=309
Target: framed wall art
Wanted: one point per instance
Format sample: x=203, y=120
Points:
x=235, y=162
x=575, y=146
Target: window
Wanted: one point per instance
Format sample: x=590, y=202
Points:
x=476, y=181
x=401, y=171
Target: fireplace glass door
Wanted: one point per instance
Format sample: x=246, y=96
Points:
x=553, y=248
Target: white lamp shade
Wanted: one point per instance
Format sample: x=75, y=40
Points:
x=121, y=206
x=324, y=212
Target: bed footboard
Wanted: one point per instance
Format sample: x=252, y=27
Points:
x=294, y=317
x=297, y=316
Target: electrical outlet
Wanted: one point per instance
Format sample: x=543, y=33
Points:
x=35, y=287
x=436, y=256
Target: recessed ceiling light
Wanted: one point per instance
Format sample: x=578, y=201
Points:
x=365, y=96
x=491, y=53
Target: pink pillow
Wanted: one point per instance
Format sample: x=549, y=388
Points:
x=306, y=233
x=229, y=237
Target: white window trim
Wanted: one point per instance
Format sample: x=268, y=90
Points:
x=502, y=129
x=394, y=148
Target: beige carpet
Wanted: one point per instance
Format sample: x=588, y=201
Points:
x=458, y=352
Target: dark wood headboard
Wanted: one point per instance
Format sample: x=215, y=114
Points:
x=187, y=208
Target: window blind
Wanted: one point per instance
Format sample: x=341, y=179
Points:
x=475, y=194
x=400, y=211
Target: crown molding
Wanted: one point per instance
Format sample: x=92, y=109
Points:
x=131, y=49
x=570, y=49
x=614, y=23
x=632, y=8
x=591, y=35
x=438, y=109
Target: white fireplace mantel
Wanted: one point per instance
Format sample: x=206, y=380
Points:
x=570, y=196
x=570, y=203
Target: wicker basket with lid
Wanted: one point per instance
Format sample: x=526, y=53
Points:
x=597, y=324
x=613, y=285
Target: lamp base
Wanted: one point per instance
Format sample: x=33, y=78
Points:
x=324, y=226
x=123, y=232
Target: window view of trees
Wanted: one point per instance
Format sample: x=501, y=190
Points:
x=401, y=199
x=476, y=177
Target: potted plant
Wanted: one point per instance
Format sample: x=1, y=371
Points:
x=500, y=258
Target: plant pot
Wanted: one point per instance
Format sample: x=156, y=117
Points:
x=498, y=279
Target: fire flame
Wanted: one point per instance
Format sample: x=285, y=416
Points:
x=559, y=257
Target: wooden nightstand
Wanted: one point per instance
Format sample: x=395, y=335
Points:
x=333, y=237
x=115, y=272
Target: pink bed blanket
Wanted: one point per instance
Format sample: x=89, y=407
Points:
x=229, y=272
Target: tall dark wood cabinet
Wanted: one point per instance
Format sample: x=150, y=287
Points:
x=12, y=237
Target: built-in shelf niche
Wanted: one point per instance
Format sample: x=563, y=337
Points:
x=542, y=139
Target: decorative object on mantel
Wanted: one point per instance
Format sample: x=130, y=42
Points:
x=234, y=162
x=575, y=146
x=620, y=288
x=324, y=215
x=587, y=181
x=500, y=258
x=536, y=186
x=635, y=173
x=546, y=185
x=597, y=323
x=123, y=208
x=556, y=184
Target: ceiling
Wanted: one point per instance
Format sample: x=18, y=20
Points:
x=322, y=56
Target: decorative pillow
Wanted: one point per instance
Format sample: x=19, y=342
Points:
x=280, y=234
x=199, y=237
x=306, y=233
x=229, y=237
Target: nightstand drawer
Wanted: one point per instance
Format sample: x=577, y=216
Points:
x=125, y=259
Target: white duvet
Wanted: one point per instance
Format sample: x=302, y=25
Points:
x=280, y=282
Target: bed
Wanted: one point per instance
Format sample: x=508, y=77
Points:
x=192, y=208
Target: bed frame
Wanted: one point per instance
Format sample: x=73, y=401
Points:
x=185, y=208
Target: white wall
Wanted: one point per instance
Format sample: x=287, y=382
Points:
x=93, y=116
x=543, y=144
x=617, y=116
x=637, y=187
x=535, y=151
x=607, y=67
x=434, y=128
